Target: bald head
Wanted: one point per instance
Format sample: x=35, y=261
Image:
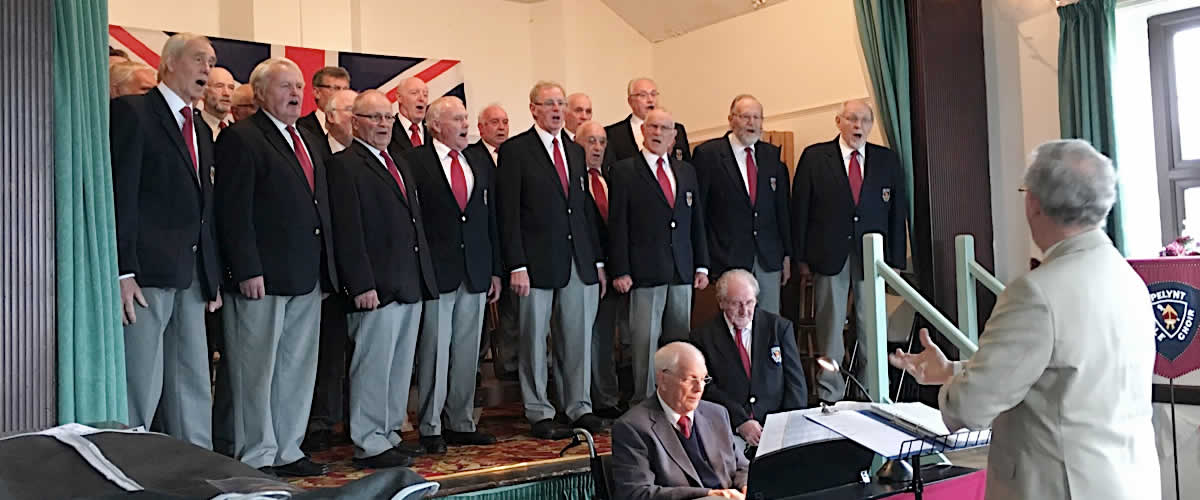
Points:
x=243, y=102
x=413, y=99
x=591, y=136
x=680, y=372
x=493, y=125
x=339, y=114
x=218, y=93
x=448, y=121
x=579, y=110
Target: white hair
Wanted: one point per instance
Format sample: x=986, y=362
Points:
x=629, y=87
x=729, y=276
x=174, y=48
x=121, y=72
x=486, y=108
x=543, y=85
x=262, y=72
x=667, y=357
x=1074, y=183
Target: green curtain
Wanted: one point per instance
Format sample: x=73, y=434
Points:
x=570, y=487
x=883, y=30
x=1086, y=47
x=91, y=351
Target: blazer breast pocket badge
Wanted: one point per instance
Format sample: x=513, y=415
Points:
x=776, y=356
x=688, y=195
x=887, y=195
x=678, y=154
x=772, y=184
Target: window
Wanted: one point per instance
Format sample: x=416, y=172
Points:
x=1175, y=87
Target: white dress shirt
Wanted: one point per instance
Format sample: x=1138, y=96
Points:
x=321, y=118
x=739, y=155
x=407, y=124
x=286, y=136
x=635, y=123
x=494, y=152
x=570, y=135
x=746, y=335
x=175, y=103
x=672, y=415
x=214, y=123
x=652, y=160
x=334, y=145
x=443, y=153
x=862, y=157
x=377, y=154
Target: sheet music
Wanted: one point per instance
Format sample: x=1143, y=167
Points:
x=792, y=428
x=927, y=418
x=873, y=434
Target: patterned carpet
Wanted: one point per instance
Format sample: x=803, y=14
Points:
x=507, y=423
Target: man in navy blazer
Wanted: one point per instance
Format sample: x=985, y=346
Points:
x=752, y=358
x=843, y=189
x=744, y=186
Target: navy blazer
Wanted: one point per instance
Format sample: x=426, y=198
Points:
x=380, y=236
x=741, y=233
x=542, y=228
x=776, y=380
x=621, y=143
x=649, y=240
x=164, y=213
x=465, y=243
x=826, y=224
x=271, y=223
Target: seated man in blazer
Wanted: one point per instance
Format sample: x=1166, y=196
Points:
x=755, y=365
x=675, y=445
x=1064, y=367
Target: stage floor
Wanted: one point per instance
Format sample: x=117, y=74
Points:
x=517, y=457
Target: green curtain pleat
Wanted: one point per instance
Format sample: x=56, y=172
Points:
x=1086, y=47
x=570, y=487
x=883, y=30
x=91, y=351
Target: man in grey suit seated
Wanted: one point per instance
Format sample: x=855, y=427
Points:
x=676, y=446
x=1063, y=371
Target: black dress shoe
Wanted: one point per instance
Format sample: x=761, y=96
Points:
x=549, y=429
x=268, y=470
x=609, y=412
x=301, y=468
x=468, y=438
x=390, y=458
x=591, y=422
x=411, y=448
x=318, y=440
x=434, y=445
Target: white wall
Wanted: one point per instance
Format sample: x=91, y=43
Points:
x=1021, y=64
x=504, y=46
x=800, y=58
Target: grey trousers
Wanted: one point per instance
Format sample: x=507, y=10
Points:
x=768, y=288
x=573, y=308
x=506, y=338
x=449, y=351
x=271, y=346
x=611, y=316
x=657, y=315
x=830, y=298
x=385, y=340
x=166, y=359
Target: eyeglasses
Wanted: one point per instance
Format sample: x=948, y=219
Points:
x=858, y=119
x=331, y=87
x=749, y=118
x=377, y=117
x=692, y=380
x=643, y=95
x=552, y=103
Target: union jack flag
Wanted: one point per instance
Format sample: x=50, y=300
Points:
x=367, y=71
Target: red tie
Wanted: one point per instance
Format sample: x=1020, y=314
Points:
x=855, y=176
x=189, y=136
x=561, y=166
x=598, y=193
x=685, y=426
x=302, y=155
x=222, y=125
x=458, y=181
x=751, y=176
x=391, y=166
x=665, y=184
x=415, y=137
x=741, y=347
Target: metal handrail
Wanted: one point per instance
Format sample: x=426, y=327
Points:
x=875, y=273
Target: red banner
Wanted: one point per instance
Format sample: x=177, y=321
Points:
x=1174, y=285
